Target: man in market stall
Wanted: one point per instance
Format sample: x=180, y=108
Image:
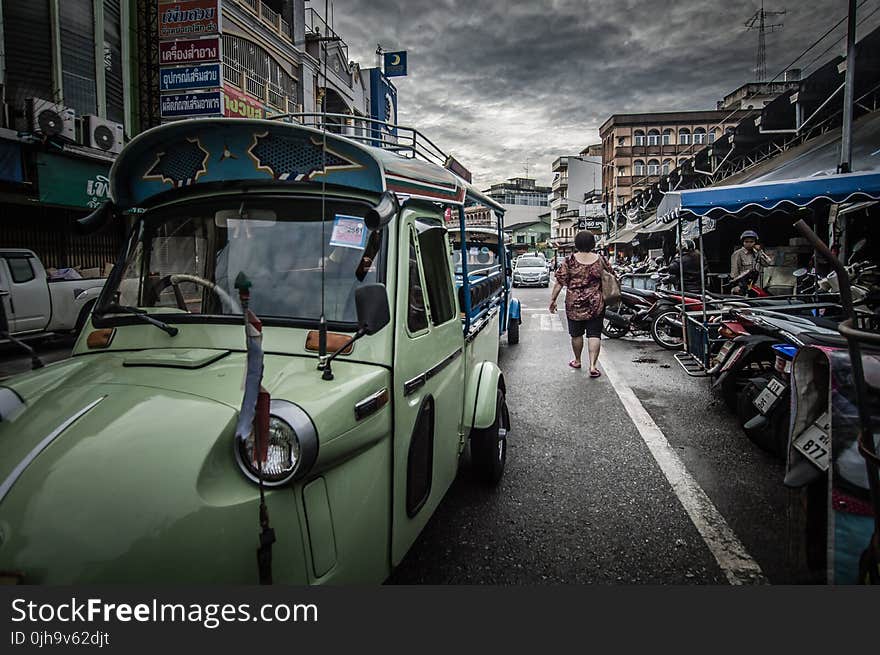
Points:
x=748, y=258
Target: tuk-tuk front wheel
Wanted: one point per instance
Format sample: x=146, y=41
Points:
x=489, y=445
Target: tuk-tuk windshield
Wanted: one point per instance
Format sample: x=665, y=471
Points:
x=186, y=259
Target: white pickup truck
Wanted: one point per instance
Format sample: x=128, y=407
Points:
x=34, y=305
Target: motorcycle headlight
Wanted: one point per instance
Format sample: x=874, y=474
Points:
x=292, y=447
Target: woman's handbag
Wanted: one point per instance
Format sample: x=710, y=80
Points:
x=610, y=285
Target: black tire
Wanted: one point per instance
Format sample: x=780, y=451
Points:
x=547, y=285
x=613, y=331
x=513, y=331
x=763, y=437
x=489, y=445
x=660, y=331
x=84, y=314
x=730, y=388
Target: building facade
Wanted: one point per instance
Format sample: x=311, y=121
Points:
x=278, y=57
x=576, y=193
x=519, y=191
x=68, y=104
x=637, y=149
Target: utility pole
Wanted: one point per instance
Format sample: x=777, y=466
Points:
x=848, y=91
x=526, y=164
x=758, y=22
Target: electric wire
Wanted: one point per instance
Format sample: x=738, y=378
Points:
x=644, y=179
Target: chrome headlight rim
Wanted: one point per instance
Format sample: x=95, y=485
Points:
x=305, y=434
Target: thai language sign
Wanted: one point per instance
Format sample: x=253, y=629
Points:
x=240, y=105
x=190, y=51
x=72, y=182
x=188, y=18
x=204, y=76
x=180, y=105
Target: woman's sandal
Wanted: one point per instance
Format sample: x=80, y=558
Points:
x=574, y=363
x=595, y=374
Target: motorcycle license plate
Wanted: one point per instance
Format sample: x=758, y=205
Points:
x=722, y=354
x=768, y=397
x=733, y=358
x=814, y=442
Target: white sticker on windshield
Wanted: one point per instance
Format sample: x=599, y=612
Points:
x=349, y=232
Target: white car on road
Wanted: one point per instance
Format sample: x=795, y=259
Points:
x=35, y=306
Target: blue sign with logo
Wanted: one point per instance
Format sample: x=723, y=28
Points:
x=203, y=76
x=395, y=64
x=178, y=105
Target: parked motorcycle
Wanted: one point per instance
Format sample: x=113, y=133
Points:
x=636, y=310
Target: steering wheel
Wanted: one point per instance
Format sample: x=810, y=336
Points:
x=175, y=279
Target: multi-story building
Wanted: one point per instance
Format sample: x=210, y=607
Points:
x=68, y=102
x=576, y=191
x=279, y=57
x=639, y=148
x=756, y=95
x=519, y=191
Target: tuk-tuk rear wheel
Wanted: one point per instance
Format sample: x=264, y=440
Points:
x=513, y=331
x=489, y=445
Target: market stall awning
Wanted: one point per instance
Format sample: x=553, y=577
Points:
x=653, y=226
x=771, y=195
x=623, y=236
x=796, y=177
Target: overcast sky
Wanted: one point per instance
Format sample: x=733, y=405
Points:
x=496, y=83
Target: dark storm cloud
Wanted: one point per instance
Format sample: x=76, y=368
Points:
x=497, y=82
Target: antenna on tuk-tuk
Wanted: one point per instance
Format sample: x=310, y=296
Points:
x=322, y=326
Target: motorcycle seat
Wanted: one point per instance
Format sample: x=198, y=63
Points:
x=644, y=293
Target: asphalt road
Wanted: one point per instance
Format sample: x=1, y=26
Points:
x=583, y=499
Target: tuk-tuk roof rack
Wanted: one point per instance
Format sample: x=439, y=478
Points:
x=405, y=141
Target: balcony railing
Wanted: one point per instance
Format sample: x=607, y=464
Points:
x=258, y=88
x=317, y=25
x=268, y=17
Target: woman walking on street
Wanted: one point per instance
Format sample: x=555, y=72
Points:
x=581, y=274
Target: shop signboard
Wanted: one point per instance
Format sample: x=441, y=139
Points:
x=189, y=51
x=395, y=63
x=240, y=105
x=188, y=18
x=182, y=105
x=592, y=224
x=183, y=78
x=70, y=182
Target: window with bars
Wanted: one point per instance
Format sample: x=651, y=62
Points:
x=253, y=69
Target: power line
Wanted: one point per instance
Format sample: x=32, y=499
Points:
x=758, y=22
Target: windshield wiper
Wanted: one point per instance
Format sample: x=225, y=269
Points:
x=141, y=314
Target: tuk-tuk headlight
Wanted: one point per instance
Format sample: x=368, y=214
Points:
x=292, y=447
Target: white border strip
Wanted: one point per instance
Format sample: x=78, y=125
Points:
x=737, y=564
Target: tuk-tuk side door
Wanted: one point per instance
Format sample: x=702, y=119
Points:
x=428, y=379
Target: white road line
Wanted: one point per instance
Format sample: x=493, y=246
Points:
x=737, y=564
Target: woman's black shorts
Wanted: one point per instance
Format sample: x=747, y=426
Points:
x=591, y=327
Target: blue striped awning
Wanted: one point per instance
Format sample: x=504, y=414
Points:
x=768, y=196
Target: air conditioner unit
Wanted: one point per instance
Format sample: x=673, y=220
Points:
x=102, y=134
x=49, y=119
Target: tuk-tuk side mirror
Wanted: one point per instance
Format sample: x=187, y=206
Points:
x=97, y=219
x=371, y=301
x=382, y=212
